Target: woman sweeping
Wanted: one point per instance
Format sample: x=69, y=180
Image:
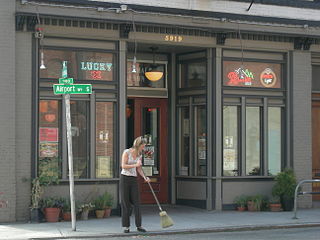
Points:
x=131, y=164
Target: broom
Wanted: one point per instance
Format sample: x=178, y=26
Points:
x=165, y=220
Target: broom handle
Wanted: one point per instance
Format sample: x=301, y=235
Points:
x=155, y=197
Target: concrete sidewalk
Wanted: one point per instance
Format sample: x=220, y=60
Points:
x=186, y=220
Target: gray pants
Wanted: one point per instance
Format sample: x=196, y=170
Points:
x=130, y=195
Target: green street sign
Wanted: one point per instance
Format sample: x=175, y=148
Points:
x=66, y=80
x=72, y=89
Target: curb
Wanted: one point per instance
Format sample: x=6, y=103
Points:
x=188, y=231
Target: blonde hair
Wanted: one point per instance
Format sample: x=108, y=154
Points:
x=138, y=142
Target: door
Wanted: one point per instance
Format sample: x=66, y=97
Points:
x=150, y=121
x=316, y=148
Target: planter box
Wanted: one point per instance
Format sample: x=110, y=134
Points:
x=52, y=214
x=275, y=207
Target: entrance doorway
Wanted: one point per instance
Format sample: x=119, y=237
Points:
x=316, y=148
x=148, y=117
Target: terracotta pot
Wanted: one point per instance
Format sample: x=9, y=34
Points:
x=251, y=206
x=84, y=214
x=100, y=213
x=275, y=207
x=241, y=209
x=52, y=214
x=67, y=216
x=107, y=212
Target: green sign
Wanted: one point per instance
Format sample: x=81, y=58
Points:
x=66, y=80
x=72, y=89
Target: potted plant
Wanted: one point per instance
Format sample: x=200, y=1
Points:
x=99, y=206
x=255, y=203
x=84, y=210
x=108, y=201
x=66, y=210
x=52, y=207
x=274, y=204
x=241, y=202
x=284, y=188
x=46, y=176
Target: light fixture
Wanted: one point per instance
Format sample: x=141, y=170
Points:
x=42, y=66
x=152, y=73
x=134, y=68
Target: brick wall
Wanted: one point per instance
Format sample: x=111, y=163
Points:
x=7, y=110
x=302, y=141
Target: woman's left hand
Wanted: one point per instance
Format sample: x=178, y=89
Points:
x=147, y=179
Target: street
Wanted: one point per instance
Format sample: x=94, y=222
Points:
x=278, y=234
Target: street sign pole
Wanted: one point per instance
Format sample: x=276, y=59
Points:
x=70, y=161
x=66, y=87
x=69, y=149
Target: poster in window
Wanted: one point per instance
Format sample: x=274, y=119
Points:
x=147, y=170
x=48, y=134
x=229, y=159
x=48, y=149
x=148, y=155
x=104, y=167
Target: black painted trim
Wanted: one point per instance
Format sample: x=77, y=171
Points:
x=289, y=3
x=198, y=13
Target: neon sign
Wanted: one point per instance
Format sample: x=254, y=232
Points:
x=239, y=77
x=96, y=68
x=268, y=78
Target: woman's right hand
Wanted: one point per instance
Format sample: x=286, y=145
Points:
x=139, y=163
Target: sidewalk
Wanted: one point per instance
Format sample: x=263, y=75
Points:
x=186, y=219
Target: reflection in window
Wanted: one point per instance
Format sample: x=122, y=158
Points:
x=253, y=141
x=202, y=139
x=230, y=141
x=193, y=74
x=150, y=132
x=80, y=135
x=49, y=140
x=104, y=139
x=184, y=141
x=274, y=140
x=138, y=78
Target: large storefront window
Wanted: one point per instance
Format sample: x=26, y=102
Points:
x=184, y=140
x=92, y=117
x=201, y=133
x=230, y=141
x=49, y=138
x=80, y=133
x=253, y=144
x=274, y=140
x=104, y=137
x=193, y=74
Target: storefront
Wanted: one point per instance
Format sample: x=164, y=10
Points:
x=219, y=121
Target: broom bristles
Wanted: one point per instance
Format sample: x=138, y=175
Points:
x=165, y=220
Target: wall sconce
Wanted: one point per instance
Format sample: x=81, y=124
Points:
x=152, y=73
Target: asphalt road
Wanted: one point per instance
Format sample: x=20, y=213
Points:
x=312, y=233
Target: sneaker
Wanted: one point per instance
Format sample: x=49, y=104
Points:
x=141, y=229
x=126, y=230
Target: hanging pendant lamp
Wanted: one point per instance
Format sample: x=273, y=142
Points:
x=152, y=73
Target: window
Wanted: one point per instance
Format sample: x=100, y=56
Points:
x=92, y=117
x=315, y=77
x=230, y=141
x=104, y=137
x=193, y=74
x=253, y=142
x=274, y=140
x=81, y=65
x=138, y=78
x=193, y=141
x=49, y=138
x=252, y=74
